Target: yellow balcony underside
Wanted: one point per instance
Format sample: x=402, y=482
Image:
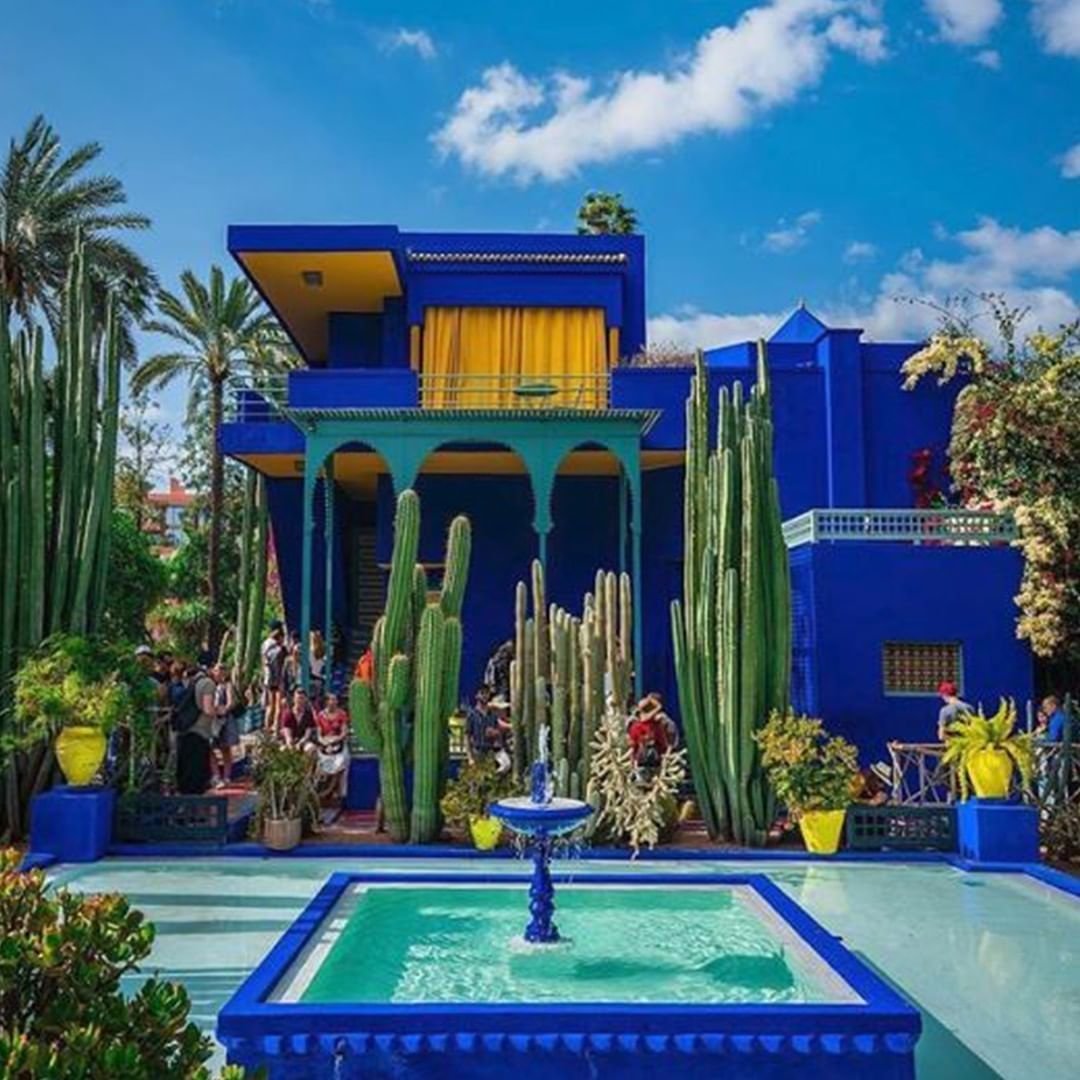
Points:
x=358, y=471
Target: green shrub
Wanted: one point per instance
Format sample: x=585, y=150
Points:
x=284, y=779
x=808, y=768
x=476, y=787
x=62, y=1013
x=77, y=681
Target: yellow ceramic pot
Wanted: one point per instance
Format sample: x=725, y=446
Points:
x=485, y=832
x=80, y=751
x=821, y=830
x=991, y=772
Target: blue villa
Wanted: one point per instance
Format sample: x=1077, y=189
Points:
x=494, y=373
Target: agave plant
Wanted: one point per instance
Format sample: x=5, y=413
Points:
x=976, y=733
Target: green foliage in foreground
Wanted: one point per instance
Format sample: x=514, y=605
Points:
x=62, y=1013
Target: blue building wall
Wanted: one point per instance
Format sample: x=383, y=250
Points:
x=850, y=598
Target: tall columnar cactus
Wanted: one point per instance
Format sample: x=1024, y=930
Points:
x=57, y=461
x=732, y=629
x=416, y=647
x=562, y=669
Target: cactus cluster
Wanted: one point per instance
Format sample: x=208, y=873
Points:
x=564, y=668
x=416, y=646
x=57, y=462
x=732, y=629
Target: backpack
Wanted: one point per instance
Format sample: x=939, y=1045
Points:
x=185, y=711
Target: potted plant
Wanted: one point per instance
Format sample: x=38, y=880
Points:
x=284, y=780
x=812, y=773
x=465, y=804
x=985, y=749
x=76, y=691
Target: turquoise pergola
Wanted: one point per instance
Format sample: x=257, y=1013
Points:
x=405, y=437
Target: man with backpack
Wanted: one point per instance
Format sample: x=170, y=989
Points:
x=194, y=721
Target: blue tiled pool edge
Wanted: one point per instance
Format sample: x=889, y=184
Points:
x=875, y=1039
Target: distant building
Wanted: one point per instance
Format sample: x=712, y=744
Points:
x=167, y=515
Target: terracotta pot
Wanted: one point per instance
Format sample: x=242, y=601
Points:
x=281, y=834
x=991, y=772
x=80, y=751
x=821, y=830
x=485, y=832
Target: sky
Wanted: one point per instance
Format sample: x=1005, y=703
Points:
x=852, y=154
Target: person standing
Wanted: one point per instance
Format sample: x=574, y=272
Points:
x=317, y=661
x=953, y=708
x=1053, y=719
x=273, y=673
x=227, y=728
x=193, y=741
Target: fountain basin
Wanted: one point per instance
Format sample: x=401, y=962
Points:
x=703, y=975
x=554, y=818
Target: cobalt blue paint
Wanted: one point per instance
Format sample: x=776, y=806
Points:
x=71, y=824
x=845, y=433
x=874, y=1040
x=997, y=831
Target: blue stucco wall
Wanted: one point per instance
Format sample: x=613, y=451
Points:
x=850, y=598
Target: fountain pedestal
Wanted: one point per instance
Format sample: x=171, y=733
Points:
x=540, y=823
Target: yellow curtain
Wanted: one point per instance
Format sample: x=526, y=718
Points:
x=498, y=358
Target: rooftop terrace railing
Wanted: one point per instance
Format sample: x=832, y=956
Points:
x=484, y=391
x=945, y=526
x=271, y=398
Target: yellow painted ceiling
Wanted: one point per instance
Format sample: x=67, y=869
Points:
x=358, y=281
x=358, y=472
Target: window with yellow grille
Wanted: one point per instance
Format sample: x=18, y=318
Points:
x=918, y=667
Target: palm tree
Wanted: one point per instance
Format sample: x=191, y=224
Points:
x=46, y=200
x=223, y=330
x=603, y=213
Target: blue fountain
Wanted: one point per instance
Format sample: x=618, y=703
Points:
x=539, y=817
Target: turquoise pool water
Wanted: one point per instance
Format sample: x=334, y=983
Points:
x=992, y=960
x=438, y=944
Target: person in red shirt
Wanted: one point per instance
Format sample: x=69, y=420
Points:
x=648, y=733
x=332, y=747
x=297, y=721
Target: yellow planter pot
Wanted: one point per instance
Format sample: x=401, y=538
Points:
x=821, y=830
x=80, y=751
x=485, y=832
x=991, y=772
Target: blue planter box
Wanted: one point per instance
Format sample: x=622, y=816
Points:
x=998, y=831
x=73, y=824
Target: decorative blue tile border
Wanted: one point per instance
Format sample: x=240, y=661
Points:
x=876, y=1037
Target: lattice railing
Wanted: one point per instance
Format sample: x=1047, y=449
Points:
x=943, y=526
x=920, y=779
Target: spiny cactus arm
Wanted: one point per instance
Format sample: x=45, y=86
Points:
x=399, y=591
x=38, y=487
x=363, y=716
x=456, y=575
x=428, y=725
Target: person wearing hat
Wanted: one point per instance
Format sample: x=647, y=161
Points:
x=952, y=709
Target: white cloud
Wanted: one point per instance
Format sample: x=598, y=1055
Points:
x=1057, y=25
x=964, y=22
x=858, y=250
x=1031, y=268
x=402, y=38
x=989, y=58
x=788, y=236
x=1070, y=163
x=530, y=128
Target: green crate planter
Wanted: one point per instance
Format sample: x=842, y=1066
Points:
x=196, y=819
x=901, y=828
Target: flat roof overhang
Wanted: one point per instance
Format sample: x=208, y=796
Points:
x=305, y=272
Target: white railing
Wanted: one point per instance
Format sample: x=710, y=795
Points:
x=257, y=401
x=947, y=525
